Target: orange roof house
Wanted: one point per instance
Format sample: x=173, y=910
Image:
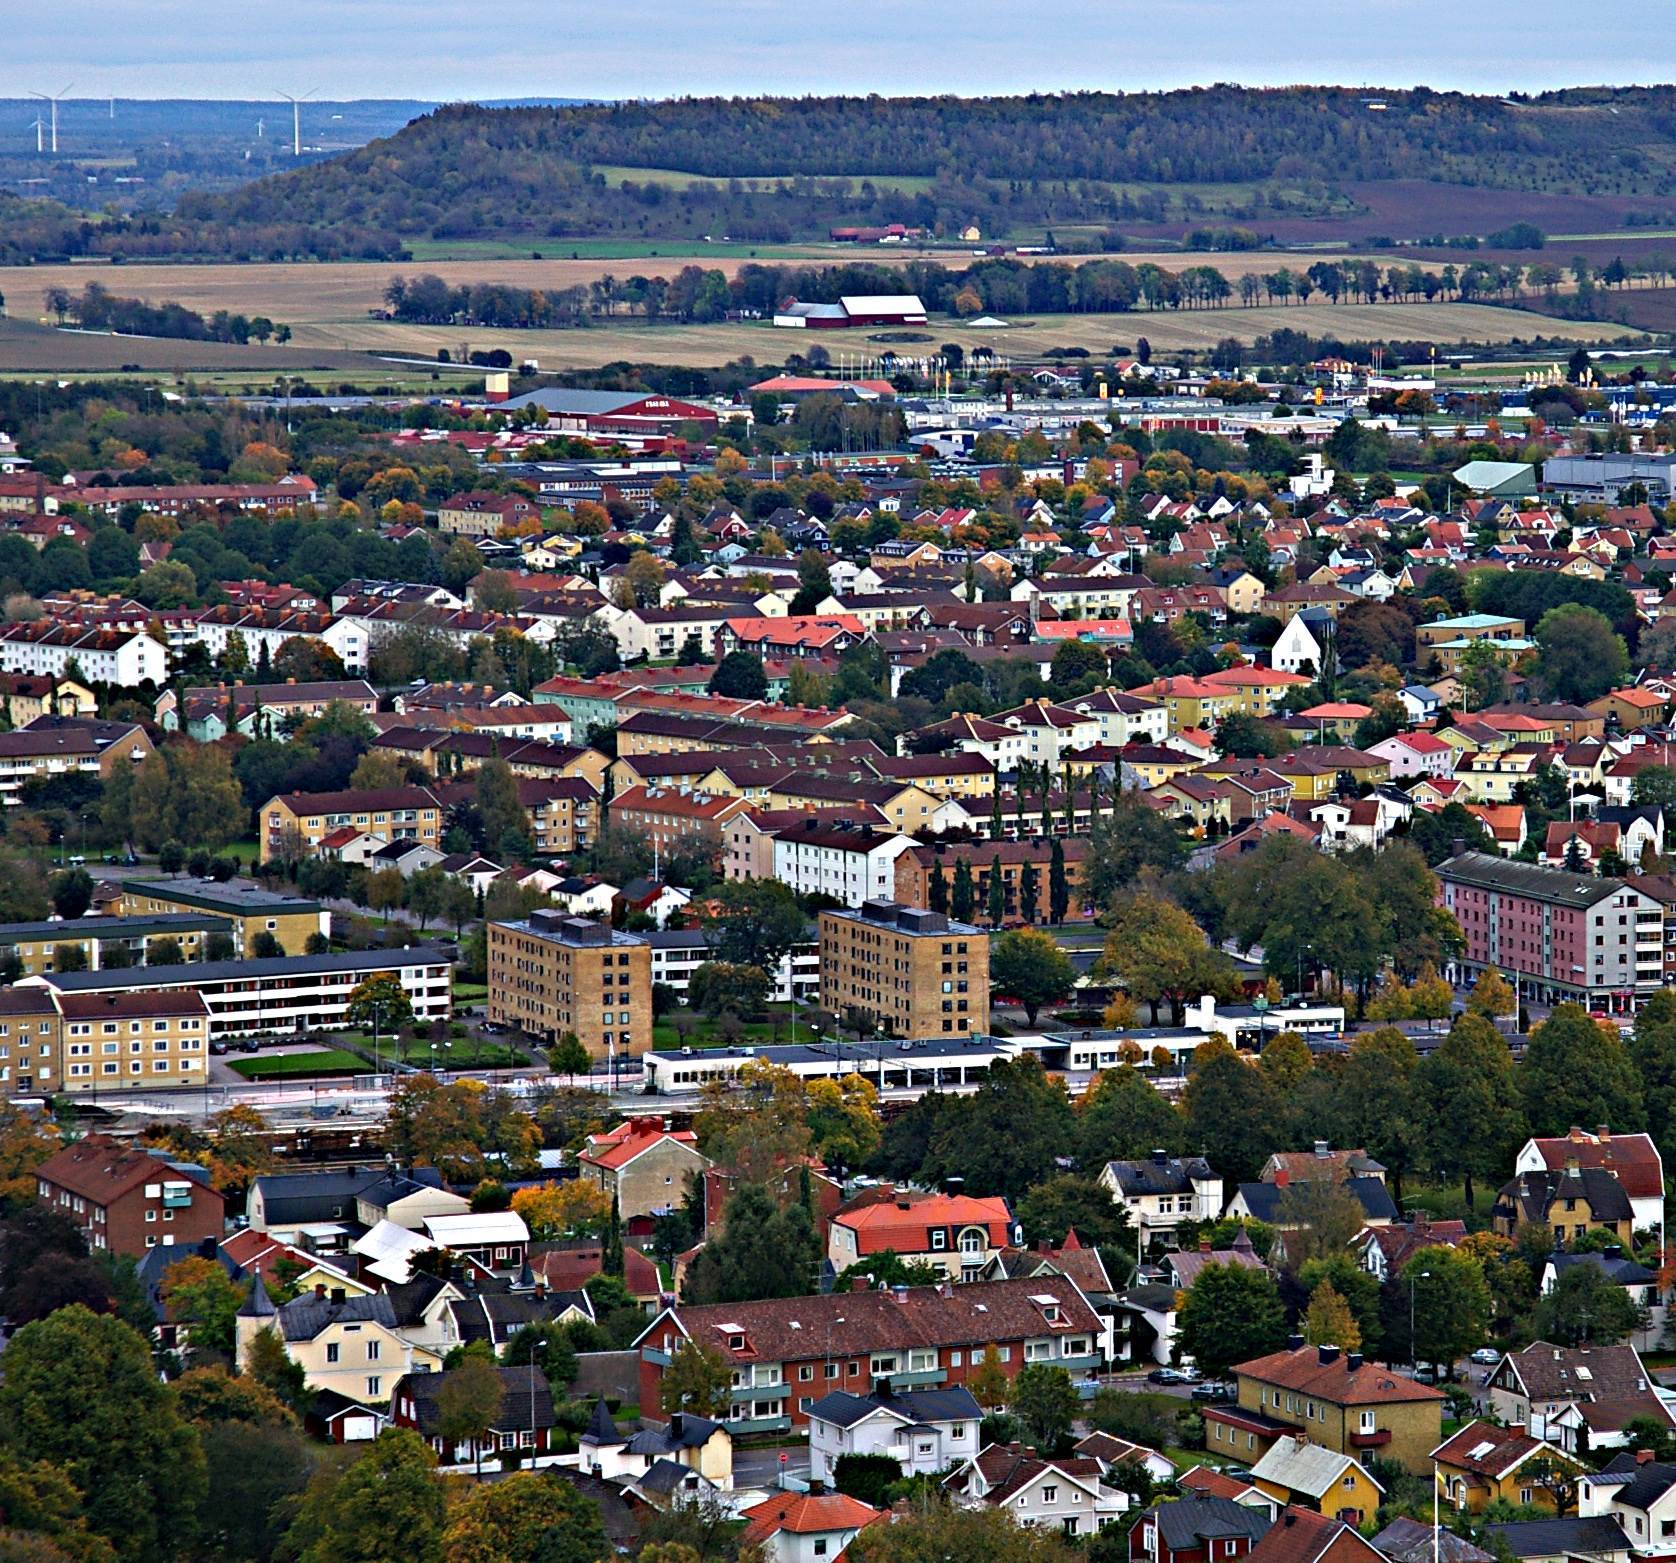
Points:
x=955, y=1232
x=832, y=1517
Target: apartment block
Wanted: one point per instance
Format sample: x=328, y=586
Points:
x=918, y=973
x=553, y=973
x=390, y=814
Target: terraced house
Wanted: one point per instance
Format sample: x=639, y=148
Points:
x=389, y=814
x=786, y=1353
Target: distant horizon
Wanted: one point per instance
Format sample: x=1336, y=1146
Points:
x=436, y=52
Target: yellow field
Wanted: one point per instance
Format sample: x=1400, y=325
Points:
x=329, y=308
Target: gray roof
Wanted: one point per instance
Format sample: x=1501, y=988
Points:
x=525, y=1400
x=666, y=1476
x=289, y=1197
x=1188, y=1523
x=1615, y=1267
x=1483, y=872
x=1648, y=1483
x=601, y=1429
x=560, y=400
x=497, y=1316
x=305, y=1317
x=1174, y=1175
x=194, y=973
x=234, y=896
x=1263, y=1200
x=925, y=1405
x=1408, y=1541
x=113, y=927
x=258, y=1305
x=1562, y=1538
x=696, y=1431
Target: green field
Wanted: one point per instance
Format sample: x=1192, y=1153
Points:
x=462, y=1053
x=705, y=1033
x=331, y=1061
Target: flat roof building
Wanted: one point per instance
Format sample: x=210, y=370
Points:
x=552, y=973
x=914, y=973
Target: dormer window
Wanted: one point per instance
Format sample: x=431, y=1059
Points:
x=736, y=1343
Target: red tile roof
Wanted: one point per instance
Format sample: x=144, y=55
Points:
x=1632, y=1159
x=805, y=1514
x=1302, y=1536
x=631, y=1140
x=1335, y=1382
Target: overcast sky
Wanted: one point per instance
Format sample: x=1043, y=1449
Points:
x=445, y=50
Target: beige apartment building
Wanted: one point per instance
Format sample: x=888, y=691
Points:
x=918, y=973
x=386, y=813
x=553, y=973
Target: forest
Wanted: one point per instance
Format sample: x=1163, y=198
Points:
x=766, y=171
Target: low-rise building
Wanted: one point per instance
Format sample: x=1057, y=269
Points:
x=1633, y=1160
x=1297, y=1472
x=296, y=822
x=1200, y=1528
x=924, y=1430
x=248, y=909
x=1065, y=1494
x=1160, y=1193
x=1638, y=1493
x=1485, y=1463
x=956, y=1233
x=127, y=1198
x=850, y=865
x=1578, y=1397
x=644, y=1166
x=806, y=1527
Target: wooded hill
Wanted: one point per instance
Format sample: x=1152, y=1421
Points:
x=772, y=170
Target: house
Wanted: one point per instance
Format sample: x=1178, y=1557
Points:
x=1065, y=1495
x=1559, y=1391
x=1163, y=1191
x=497, y=1240
x=1200, y=1528
x=285, y=1202
x=351, y=1344
x=1268, y=1202
x=127, y=1198
x=1297, y=1471
x=806, y=1527
x=523, y=1423
x=924, y=1430
x=942, y=1230
x=1568, y=1202
x=1338, y=1400
x=1415, y=754
x=695, y=1442
x=1302, y=1536
x=1640, y=1494
x=1219, y=1484
x=787, y=1352
x=1112, y=1451
x=1600, y=1539
x=1506, y=823
x=1485, y=1463
x=1632, y=1159
x=643, y=1164
x=1640, y=1283
x=1386, y=1249
x=1408, y=1541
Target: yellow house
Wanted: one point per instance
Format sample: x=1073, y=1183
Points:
x=1192, y=702
x=1297, y=1471
x=1313, y=772
x=347, y=1343
x=1484, y=1462
x=1257, y=691
x=1155, y=764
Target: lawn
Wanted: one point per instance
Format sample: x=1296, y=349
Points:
x=465, y=1053
x=331, y=1061
x=706, y=1033
x=469, y=992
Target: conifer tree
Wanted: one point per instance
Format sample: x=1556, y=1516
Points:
x=962, y=900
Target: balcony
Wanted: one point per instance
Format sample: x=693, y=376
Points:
x=919, y=1378
x=1374, y=1440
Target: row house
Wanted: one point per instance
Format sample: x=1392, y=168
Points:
x=786, y=1353
x=125, y=657
x=387, y=814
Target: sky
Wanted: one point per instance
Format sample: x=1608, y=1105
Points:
x=443, y=50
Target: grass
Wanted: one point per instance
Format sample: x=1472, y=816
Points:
x=470, y=992
x=466, y=1052
x=706, y=1033
x=333, y=1061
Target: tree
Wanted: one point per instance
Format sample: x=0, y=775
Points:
x=1229, y=1315
x=1028, y=966
x=527, y=1518
x=1358, y=1290
x=1129, y=837
x=1378, y=1108
x=1580, y=655
x=72, y=894
x=941, y=1534
x=467, y=1403
x=506, y=822
x=1122, y=1117
x=426, y=893
x=385, y=891
x=1059, y=888
x=80, y=1392
x=739, y=676
x=1027, y=887
x=1329, y=1321
x=387, y=1505
x=1492, y=997
x=962, y=897
x=1653, y=1052
x=1286, y=1060
x=1233, y=1114
x=988, y=1380
x=1325, y=1214
x=200, y=1294
x=1587, y=1308
x=1005, y=1137
x=763, y=1250
x=1052, y=1210
x=1470, y=1104
x=1045, y=1400
x=1158, y=953
x=753, y=922
x=569, y=1057
x=268, y=1363
x=1451, y=1304
x=996, y=910
x=698, y=1379
x=380, y=1002
x=1578, y=1070
x=814, y=582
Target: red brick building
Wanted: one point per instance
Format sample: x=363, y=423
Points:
x=127, y=1198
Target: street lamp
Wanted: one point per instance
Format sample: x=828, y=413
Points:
x=1261, y=1005
x=1424, y=1275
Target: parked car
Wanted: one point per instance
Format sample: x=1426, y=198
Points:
x=250, y=1045
x=1213, y=1392
x=218, y=1047
x=1426, y=1373
x=1486, y=1354
x=1166, y=1376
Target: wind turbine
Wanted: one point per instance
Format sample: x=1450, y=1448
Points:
x=53, y=100
x=38, y=127
x=296, y=120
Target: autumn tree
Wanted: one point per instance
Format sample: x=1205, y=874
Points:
x=1329, y=1321
x=527, y=1518
x=698, y=1379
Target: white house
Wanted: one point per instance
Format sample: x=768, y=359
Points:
x=1066, y=1495
x=1163, y=1191
x=1051, y=730
x=1299, y=643
x=924, y=1430
x=806, y=1527
x=1632, y=1159
x=112, y=656
x=851, y=865
x=1640, y=1497
x=1125, y=718
x=1416, y=754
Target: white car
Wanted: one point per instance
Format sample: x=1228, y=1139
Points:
x=1486, y=1354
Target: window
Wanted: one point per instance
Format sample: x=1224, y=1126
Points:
x=1050, y=1494
x=372, y=1351
x=805, y=1373
x=820, y=1546
x=374, y=1388
x=331, y=1351
x=1367, y=1421
x=831, y=1370
x=939, y=1240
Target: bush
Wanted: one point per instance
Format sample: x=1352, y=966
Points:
x=867, y=1477
x=1153, y=1420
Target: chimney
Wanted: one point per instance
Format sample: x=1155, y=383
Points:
x=1294, y=1343
x=1323, y=1148
x=1643, y=1456
x=1160, y=1158
x=954, y=1187
x=1327, y=1355
x=676, y=1424
x=1604, y=1134
x=1204, y=1245
x=858, y=1283
x=881, y=1387
x=339, y=1296
x=899, y=1293
x=319, y=1292
x=1460, y=847
x=1282, y=1176
x=1352, y=1361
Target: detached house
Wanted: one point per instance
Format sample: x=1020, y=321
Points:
x=524, y=1420
x=806, y=1527
x=644, y=1165
x=1200, y=1528
x=1300, y=1536
x=1065, y=1495
x=1163, y=1191
x=1632, y=1160
x=1561, y=1392
x=1640, y=1494
x=1483, y=1463
x=924, y=1431
x=955, y=1233
x=1569, y=1203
